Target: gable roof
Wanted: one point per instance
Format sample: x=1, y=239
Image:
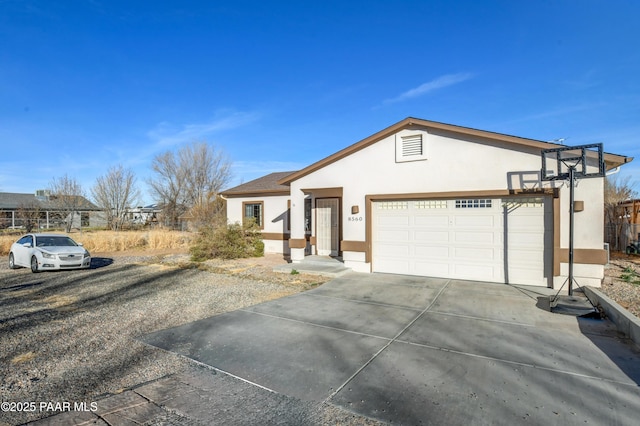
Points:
x=14, y=201
x=266, y=185
x=611, y=160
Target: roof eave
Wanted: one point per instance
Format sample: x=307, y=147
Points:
x=256, y=193
x=409, y=121
x=614, y=159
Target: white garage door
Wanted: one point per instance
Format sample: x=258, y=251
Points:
x=493, y=239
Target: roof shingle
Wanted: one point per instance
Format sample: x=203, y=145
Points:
x=264, y=185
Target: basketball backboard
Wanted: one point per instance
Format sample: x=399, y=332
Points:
x=586, y=160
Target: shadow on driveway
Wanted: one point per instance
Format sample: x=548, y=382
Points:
x=100, y=262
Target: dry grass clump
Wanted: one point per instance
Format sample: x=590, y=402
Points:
x=110, y=241
x=169, y=239
x=107, y=241
x=5, y=243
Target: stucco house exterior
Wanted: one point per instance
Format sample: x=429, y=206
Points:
x=433, y=199
x=269, y=203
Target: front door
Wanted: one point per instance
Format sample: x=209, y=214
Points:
x=327, y=226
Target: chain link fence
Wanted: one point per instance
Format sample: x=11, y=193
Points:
x=19, y=223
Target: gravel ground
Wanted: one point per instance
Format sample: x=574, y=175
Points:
x=70, y=335
x=622, y=282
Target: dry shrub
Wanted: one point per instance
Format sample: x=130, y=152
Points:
x=228, y=242
x=5, y=243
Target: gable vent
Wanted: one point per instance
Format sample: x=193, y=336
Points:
x=411, y=145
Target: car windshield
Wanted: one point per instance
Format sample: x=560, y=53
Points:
x=55, y=242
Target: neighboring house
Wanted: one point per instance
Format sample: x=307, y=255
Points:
x=631, y=210
x=18, y=208
x=623, y=225
x=268, y=203
x=143, y=215
x=434, y=199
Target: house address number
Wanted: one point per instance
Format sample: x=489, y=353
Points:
x=355, y=218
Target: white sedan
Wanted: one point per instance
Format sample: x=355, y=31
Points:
x=42, y=252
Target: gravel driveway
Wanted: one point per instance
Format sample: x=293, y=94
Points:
x=70, y=335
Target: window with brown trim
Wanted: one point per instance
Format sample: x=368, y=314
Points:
x=255, y=210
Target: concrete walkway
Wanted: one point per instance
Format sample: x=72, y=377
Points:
x=315, y=265
x=397, y=349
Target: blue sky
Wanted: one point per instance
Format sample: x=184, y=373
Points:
x=277, y=85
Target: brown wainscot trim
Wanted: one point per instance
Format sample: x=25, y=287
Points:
x=275, y=236
x=585, y=256
x=312, y=240
x=297, y=243
x=358, y=246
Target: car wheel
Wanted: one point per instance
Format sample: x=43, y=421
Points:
x=12, y=263
x=34, y=264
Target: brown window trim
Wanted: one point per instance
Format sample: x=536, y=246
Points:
x=244, y=204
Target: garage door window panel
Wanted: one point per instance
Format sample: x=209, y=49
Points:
x=393, y=205
x=474, y=204
x=430, y=204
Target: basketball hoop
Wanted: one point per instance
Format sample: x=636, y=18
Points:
x=572, y=163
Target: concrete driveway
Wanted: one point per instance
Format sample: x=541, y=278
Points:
x=415, y=350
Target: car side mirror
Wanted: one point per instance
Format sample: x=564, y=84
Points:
x=80, y=244
x=26, y=245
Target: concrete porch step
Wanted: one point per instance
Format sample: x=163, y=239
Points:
x=316, y=265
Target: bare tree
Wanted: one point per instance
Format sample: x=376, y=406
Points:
x=114, y=193
x=168, y=186
x=188, y=179
x=212, y=213
x=29, y=212
x=67, y=197
x=616, y=191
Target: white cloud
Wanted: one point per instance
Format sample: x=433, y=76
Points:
x=430, y=86
x=558, y=111
x=166, y=134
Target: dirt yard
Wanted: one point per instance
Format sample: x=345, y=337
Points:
x=622, y=281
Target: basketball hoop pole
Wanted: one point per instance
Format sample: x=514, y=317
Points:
x=572, y=170
x=572, y=163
